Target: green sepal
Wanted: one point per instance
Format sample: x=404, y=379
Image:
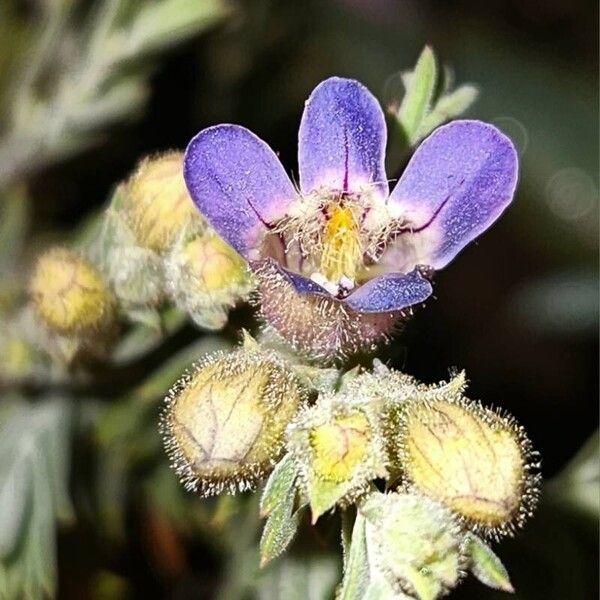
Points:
x=356, y=564
x=323, y=495
x=486, y=566
x=449, y=106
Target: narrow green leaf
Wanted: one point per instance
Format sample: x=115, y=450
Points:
x=356, y=571
x=57, y=449
x=448, y=107
x=311, y=577
x=141, y=340
x=162, y=24
x=420, y=87
x=16, y=489
x=148, y=317
x=14, y=221
x=279, y=530
x=277, y=488
x=487, y=567
x=161, y=380
x=41, y=542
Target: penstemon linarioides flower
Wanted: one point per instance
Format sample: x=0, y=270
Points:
x=341, y=260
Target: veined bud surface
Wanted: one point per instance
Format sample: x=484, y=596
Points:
x=474, y=460
x=339, y=447
x=206, y=277
x=415, y=543
x=70, y=294
x=224, y=421
x=157, y=206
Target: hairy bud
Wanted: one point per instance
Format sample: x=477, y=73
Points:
x=70, y=294
x=473, y=459
x=224, y=421
x=206, y=277
x=157, y=206
x=339, y=448
x=414, y=543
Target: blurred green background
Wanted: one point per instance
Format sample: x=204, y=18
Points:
x=518, y=310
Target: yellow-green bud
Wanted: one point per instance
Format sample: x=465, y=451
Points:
x=214, y=264
x=206, y=277
x=70, y=294
x=474, y=460
x=414, y=543
x=157, y=206
x=224, y=421
x=339, y=448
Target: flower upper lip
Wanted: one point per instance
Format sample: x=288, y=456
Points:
x=458, y=182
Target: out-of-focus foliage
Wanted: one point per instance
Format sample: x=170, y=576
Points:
x=82, y=69
x=35, y=448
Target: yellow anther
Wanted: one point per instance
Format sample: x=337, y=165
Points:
x=342, y=248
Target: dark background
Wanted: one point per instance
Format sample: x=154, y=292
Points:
x=518, y=310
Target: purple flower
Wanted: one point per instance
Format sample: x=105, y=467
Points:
x=339, y=260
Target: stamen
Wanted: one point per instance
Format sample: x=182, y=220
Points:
x=342, y=254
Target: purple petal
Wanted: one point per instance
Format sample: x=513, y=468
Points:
x=302, y=284
x=342, y=139
x=238, y=184
x=459, y=181
x=391, y=292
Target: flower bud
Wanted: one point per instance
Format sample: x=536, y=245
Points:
x=338, y=446
x=474, y=460
x=157, y=206
x=224, y=421
x=206, y=276
x=70, y=294
x=414, y=543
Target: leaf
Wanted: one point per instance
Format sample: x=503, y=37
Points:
x=448, y=107
x=55, y=441
x=148, y=317
x=380, y=589
x=34, y=445
x=278, y=502
x=356, y=570
x=486, y=566
x=141, y=339
x=310, y=577
x=278, y=485
x=15, y=500
x=163, y=24
x=420, y=87
x=577, y=487
x=14, y=221
x=317, y=378
x=279, y=531
x=41, y=542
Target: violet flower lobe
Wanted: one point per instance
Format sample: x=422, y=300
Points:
x=341, y=260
